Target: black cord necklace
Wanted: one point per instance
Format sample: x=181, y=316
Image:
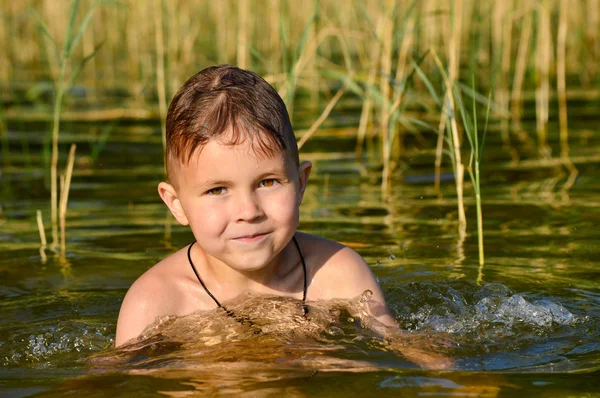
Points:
x=230, y=313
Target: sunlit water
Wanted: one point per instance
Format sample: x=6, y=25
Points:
x=527, y=323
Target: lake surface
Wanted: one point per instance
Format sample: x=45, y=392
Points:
x=526, y=323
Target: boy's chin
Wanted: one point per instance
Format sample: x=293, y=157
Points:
x=248, y=263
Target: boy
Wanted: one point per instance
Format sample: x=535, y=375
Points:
x=236, y=180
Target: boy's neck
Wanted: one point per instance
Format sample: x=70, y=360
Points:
x=232, y=282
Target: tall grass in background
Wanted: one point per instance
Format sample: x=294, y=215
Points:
x=66, y=71
x=388, y=53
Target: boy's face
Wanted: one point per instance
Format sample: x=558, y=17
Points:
x=242, y=207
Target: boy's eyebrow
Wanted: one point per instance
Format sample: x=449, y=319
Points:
x=280, y=173
x=211, y=183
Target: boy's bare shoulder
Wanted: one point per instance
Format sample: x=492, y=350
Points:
x=158, y=292
x=162, y=277
x=337, y=271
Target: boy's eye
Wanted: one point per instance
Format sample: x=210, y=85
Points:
x=216, y=191
x=268, y=183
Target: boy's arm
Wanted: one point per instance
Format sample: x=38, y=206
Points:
x=349, y=276
x=354, y=277
x=140, y=308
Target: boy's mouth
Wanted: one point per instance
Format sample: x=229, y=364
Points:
x=251, y=237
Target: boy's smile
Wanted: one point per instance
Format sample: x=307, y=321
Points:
x=242, y=207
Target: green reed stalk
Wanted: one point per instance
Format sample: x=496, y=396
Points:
x=62, y=84
x=451, y=126
x=295, y=66
x=471, y=131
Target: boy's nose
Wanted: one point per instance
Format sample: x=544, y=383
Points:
x=248, y=208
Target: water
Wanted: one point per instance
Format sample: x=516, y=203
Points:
x=527, y=323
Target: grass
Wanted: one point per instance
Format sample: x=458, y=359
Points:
x=67, y=73
x=380, y=51
x=471, y=131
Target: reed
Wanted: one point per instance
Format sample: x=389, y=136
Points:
x=160, y=69
x=385, y=72
x=449, y=110
x=43, y=242
x=502, y=36
x=63, y=82
x=401, y=81
x=561, y=88
x=520, y=68
x=542, y=65
x=151, y=49
x=561, y=84
x=299, y=60
x=224, y=20
x=592, y=41
x=64, y=199
x=471, y=131
x=373, y=68
x=317, y=123
x=391, y=114
x=242, y=36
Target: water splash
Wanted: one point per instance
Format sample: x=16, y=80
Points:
x=488, y=312
x=52, y=346
x=480, y=327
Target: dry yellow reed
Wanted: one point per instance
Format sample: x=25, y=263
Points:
x=134, y=51
x=274, y=38
x=385, y=70
x=160, y=67
x=43, y=243
x=400, y=75
x=592, y=17
x=520, y=68
x=6, y=61
x=87, y=47
x=562, y=93
x=317, y=123
x=501, y=30
x=64, y=197
x=561, y=85
x=242, y=34
x=453, y=61
x=385, y=89
x=449, y=113
x=365, y=113
x=439, y=148
x=542, y=64
x=450, y=32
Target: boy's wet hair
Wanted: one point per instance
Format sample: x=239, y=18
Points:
x=222, y=99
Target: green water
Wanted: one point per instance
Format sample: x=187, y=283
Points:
x=531, y=327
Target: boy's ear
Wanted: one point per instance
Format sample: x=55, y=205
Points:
x=169, y=195
x=303, y=174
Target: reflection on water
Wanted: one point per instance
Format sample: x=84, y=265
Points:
x=269, y=341
x=474, y=327
x=531, y=327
